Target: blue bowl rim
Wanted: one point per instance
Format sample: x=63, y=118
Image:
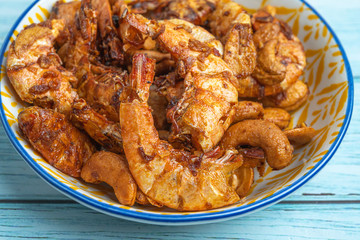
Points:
x=159, y=218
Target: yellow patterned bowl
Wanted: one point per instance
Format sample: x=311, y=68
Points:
x=329, y=109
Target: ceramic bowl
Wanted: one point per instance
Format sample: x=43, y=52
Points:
x=328, y=110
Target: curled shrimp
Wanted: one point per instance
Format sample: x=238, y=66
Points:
x=205, y=110
x=171, y=177
x=76, y=53
x=35, y=70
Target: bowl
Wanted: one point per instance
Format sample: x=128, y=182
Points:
x=328, y=110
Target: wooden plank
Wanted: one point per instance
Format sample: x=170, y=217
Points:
x=343, y=17
x=282, y=221
x=337, y=181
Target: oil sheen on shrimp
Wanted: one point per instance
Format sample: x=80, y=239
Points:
x=204, y=112
x=171, y=177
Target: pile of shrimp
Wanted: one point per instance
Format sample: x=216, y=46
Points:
x=170, y=102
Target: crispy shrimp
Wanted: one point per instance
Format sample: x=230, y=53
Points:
x=194, y=11
x=76, y=53
x=110, y=42
x=67, y=11
x=64, y=146
x=205, y=110
x=173, y=178
x=102, y=93
x=199, y=34
x=35, y=70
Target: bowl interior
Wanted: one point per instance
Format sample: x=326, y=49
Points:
x=328, y=111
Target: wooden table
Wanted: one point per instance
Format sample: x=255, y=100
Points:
x=327, y=207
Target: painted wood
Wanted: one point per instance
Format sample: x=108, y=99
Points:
x=282, y=221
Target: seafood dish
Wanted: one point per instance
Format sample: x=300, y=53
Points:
x=172, y=103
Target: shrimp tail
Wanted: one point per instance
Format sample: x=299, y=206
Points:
x=142, y=75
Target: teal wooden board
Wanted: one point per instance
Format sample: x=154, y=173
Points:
x=328, y=207
x=282, y=221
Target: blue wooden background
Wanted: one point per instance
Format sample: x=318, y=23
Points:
x=328, y=207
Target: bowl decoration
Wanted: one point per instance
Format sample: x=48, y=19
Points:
x=328, y=110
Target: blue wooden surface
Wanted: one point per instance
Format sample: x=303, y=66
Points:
x=328, y=207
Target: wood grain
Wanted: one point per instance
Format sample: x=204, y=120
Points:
x=282, y=221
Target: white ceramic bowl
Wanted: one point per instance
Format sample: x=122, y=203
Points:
x=328, y=110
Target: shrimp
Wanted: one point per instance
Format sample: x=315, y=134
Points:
x=111, y=45
x=102, y=93
x=67, y=11
x=199, y=34
x=194, y=11
x=35, y=70
x=64, y=146
x=76, y=53
x=205, y=110
x=171, y=177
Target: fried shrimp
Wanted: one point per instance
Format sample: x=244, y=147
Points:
x=35, y=70
x=76, y=53
x=204, y=112
x=62, y=145
x=171, y=177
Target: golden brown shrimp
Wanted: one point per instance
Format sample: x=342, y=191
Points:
x=204, y=112
x=67, y=11
x=60, y=143
x=171, y=177
x=111, y=45
x=76, y=53
x=194, y=11
x=102, y=93
x=35, y=70
x=36, y=74
x=199, y=34
x=103, y=131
